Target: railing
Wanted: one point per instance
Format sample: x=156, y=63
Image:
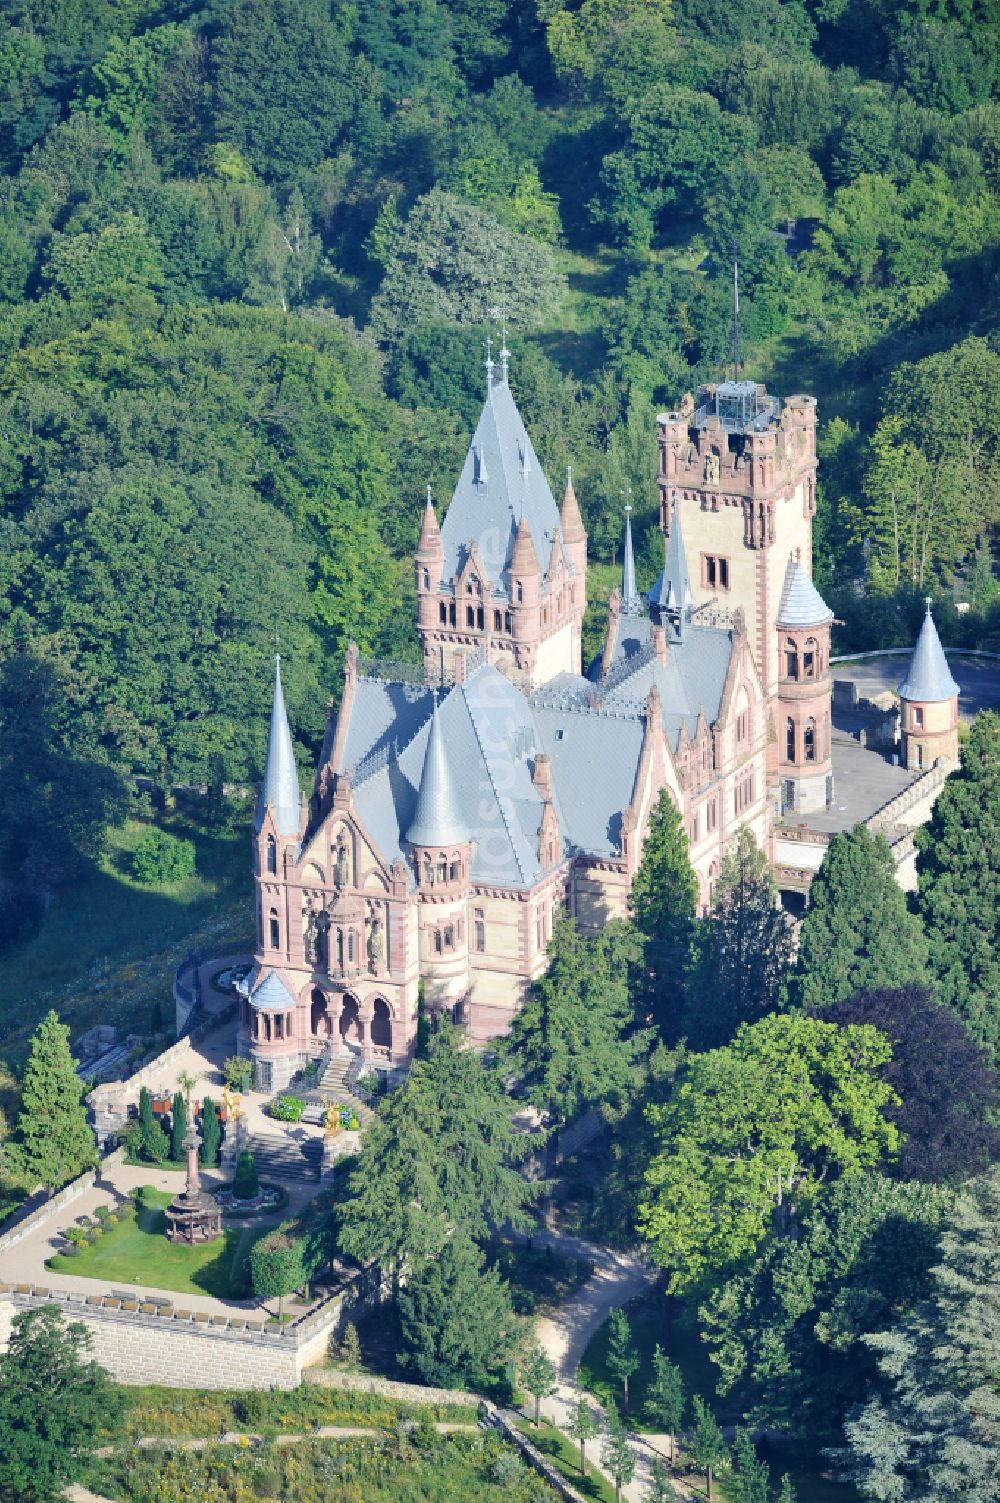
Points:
x=625, y=667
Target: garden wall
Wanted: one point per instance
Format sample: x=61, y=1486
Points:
x=56, y=1203
x=139, y=1341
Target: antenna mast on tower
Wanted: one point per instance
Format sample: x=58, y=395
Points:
x=737, y=362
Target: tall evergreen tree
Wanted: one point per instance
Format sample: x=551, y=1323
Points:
x=744, y=950
x=178, y=1126
x=958, y=871
x=663, y=903
x=706, y=1442
x=54, y=1140
x=457, y=1323
x=665, y=1398
x=572, y=1045
x=857, y=933
x=211, y=1133
x=442, y=1154
x=623, y=1356
x=617, y=1455
x=934, y=1435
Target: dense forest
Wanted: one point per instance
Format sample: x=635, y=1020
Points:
x=249, y=256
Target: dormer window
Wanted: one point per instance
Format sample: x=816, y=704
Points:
x=479, y=475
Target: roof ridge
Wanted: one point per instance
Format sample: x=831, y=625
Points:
x=496, y=791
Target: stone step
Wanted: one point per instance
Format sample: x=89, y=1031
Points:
x=279, y=1160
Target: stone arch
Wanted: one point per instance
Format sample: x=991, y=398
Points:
x=381, y=1025
x=350, y=1019
x=312, y=875
x=319, y=1017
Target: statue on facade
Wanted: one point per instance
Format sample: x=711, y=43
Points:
x=322, y=961
x=712, y=469
x=343, y=866
x=376, y=944
x=311, y=935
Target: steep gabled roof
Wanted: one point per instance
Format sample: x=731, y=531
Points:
x=501, y=482
x=928, y=677
x=801, y=603
x=280, y=787
x=672, y=590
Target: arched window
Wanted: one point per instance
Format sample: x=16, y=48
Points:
x=350, y=946
x=790, y=741
x=809, y=659
x=453, y=872
x=791, y=660
x=519, y=593
x=427, y=580
x=272, y=854
x=810, y=740
x=442, y=613
x=428, y=872
x=340, y=948
x=275, y=930
x=437, y=941
x=442, y=870
x=480, y=930
x=470, y=615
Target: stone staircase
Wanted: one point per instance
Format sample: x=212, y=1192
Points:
x=282, y=1160
x=333, y=1086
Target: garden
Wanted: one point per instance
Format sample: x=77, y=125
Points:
x=130, y=1248
x=406, y=1465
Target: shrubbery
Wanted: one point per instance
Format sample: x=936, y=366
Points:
x=161, y=857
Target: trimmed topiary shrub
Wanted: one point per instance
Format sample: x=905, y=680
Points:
x=246, y=1182
x=160, y=857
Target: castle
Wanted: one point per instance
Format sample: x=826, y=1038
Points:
x=458, y=810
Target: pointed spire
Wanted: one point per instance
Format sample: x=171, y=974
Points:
x=570, y=519
x=429, y=544
x=631, y=599
x=489, y=363
x=928, y=678
x=436, y=821
x=280, y=788
x=671, y=594
x=504, y=353
x=801, y=603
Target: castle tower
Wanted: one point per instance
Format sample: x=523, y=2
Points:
x=928, y=708
x=277, y=828
x=802, y=713
x=505, y=575
x=740, y=467
x=441, y=855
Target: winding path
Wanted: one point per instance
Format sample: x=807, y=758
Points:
x=564, y=1335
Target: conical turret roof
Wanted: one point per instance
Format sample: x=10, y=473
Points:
x=524, y=560
x=928, y=677
x=436, y=821
x=570, y=518
x=429, y=544
x=280, y=788
x=801, y=603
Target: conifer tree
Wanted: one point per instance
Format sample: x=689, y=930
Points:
x=934, y=1432
x=623, y=1358
x=751, y=1480
x=744, y=950
x=456, y=1319
x=660, y=1489
x=617, y=1454
x=54, y=1140
x=583, y=1426
x=665, y=1397
x=707, y=1443
x=211, y=1134
x=858, y=933
x=958, y=871
x=178, y=1127
x=153, y=1142
x=663, y=903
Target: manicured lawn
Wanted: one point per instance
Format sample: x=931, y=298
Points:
x=564, y=1453
x=108, y=947
x=137, y=1251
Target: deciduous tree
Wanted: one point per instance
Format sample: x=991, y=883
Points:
x=583, y=1426
x=54, y=1405
x=617, y=1455
x=537, y=1372
x=276, y=1267
x=623, y=1355
x=706, y=1442
x=665, y=1398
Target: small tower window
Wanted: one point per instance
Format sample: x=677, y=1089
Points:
x=428, y=872
x=519, y=593
x=791, y=663
x=443, y=613
x=427, y=579
x=480, y=920
x=790, y=741
x=350, y=946
x=809, y=659
x=810, y=740
x=442, y=870
x=340, y=948
x=918, y=717
x=470, y=615
x=437, y=941
x=498, y=621
x=275, y=929
x=272, y=854
x=507, y=621
x=451, y=614
x=453, y=872
x=449, y=937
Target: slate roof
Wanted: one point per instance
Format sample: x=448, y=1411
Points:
x=801, y=603
x=631, y=599
x=272, y=994
x=491, y=733
x=280, y=787
x=436, y=820
x=672, y=590
x=501, y=481
x=928, y=677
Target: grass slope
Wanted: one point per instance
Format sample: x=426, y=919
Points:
x=108, y=947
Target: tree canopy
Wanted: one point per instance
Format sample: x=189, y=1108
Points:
x=54, y=1141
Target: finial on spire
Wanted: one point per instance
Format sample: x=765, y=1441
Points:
x=569, y=474
x=631, y=599
x=489, y=362
x=928, y=602
x=504, y=352
x=736, y=315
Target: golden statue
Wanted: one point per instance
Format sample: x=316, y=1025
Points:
x=331, y=1122
x=232, y=1100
